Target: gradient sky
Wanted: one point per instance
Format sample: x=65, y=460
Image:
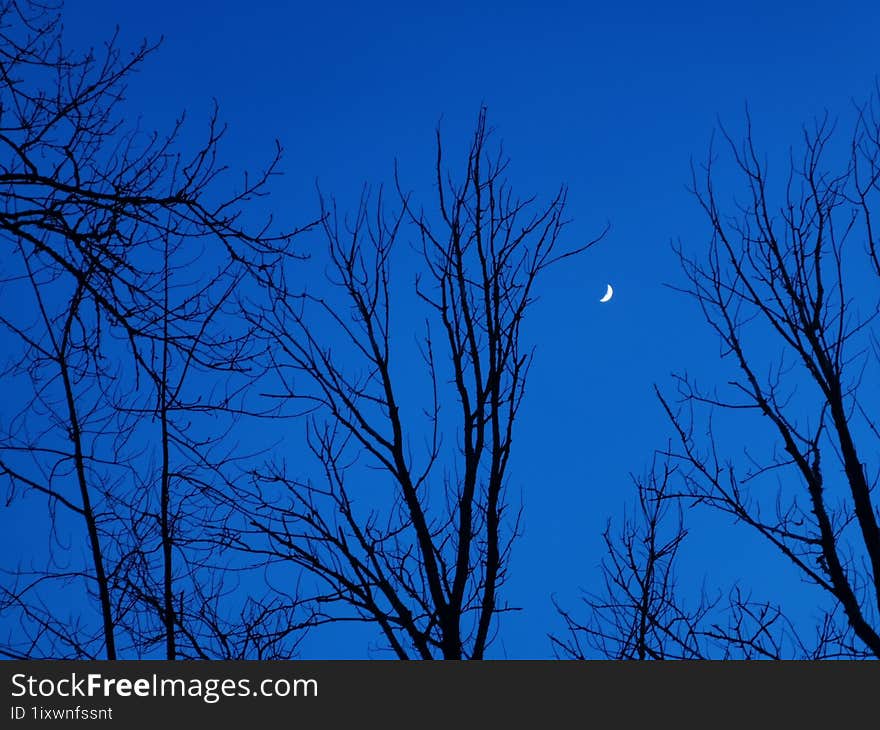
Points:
x=613, y=99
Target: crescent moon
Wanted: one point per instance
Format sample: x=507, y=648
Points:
x=608, y=294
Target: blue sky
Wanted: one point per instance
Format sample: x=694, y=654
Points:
x=612, y=99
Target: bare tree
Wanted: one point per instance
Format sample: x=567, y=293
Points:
x=121, y=253
x=207, y=367
x=422, y=549
x=30, y=462
x=638, y=613
x=642, y=612
x=788, y=284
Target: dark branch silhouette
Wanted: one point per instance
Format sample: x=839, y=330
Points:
x=788, y=283
x=121, y=253
x=416, y=541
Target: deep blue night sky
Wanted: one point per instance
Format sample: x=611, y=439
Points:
x=613, y=100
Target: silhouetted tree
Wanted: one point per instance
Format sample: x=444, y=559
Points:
x=414, y=540
x=120, y=255
x=641, y=612
x=638, y=613
x=206, y=365
x=788, y=282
